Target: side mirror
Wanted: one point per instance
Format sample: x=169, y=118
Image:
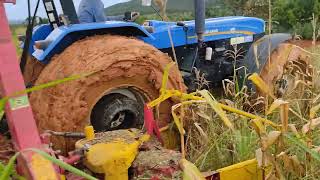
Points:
x=146, y=2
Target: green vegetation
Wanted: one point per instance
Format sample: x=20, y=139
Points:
x=16, y=31
x=294, y=16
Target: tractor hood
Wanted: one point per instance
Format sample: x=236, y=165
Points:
x=215, y=29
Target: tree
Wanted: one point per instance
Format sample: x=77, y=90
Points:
x=256, y=8
x=38, y=20
x=296, y=15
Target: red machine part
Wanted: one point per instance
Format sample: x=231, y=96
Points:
x=151, y=125
x=21, y=122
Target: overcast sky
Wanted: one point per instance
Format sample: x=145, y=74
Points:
x=20, y=10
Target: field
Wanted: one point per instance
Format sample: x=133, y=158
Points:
x=17, y=30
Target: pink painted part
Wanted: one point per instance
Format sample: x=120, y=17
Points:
x=21, y=122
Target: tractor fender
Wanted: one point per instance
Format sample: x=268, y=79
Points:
x=258, y=54
x=62, y=37
x=262, y=51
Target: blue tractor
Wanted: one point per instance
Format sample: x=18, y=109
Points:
x=128, y=60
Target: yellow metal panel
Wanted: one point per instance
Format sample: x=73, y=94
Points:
x=42, y=168
x=89, y=132
x=247, y=170
x=112, y=159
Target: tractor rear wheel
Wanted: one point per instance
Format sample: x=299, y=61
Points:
x=288, y=64
x=128, y=73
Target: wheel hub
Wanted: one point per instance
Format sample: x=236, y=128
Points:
x=117, y=111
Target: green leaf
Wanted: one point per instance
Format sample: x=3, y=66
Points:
x=8, y=169
x=302, y=145
x=2, y=105
x=1, y=167
x=1, y=114
x=190, y=171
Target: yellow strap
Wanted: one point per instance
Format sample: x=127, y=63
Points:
x=166, y=76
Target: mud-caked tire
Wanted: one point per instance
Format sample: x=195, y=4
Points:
x=118, y=62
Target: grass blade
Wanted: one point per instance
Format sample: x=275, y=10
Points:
x=302, y=145
x=1, y=114
x=1, y=167
x=8, y=169
x=190, y=171
x=2, y=105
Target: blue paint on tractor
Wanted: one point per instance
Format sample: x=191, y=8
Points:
x=59, y=36
x=216, y=29
x=40, y=32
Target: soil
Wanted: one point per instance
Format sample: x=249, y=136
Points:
x=127, y=135
x=157, y=164
x=32, y=71
x=118, y=62
x=304, y=43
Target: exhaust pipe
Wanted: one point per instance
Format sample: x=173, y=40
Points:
x=200, y=16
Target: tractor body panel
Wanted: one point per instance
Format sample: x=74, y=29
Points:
x=216, y=29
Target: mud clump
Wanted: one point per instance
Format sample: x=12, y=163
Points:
x=32, y=71
x=118, y=62
x=157, y=163
x=128, y=136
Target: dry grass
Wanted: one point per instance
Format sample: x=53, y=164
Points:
x=293, y=153
x=211, y=145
